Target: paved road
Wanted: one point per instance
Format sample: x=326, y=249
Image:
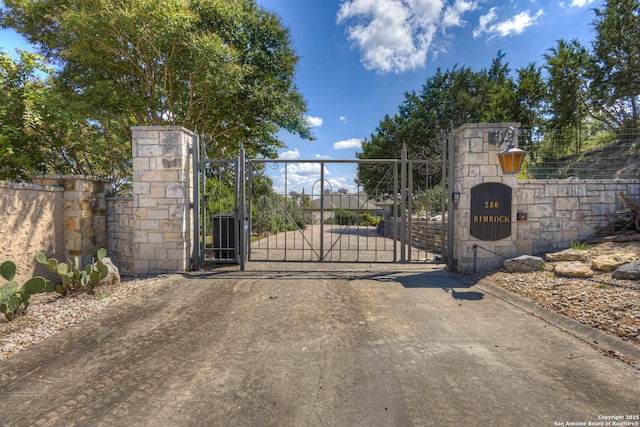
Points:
x=334, y=243
x=375, y=347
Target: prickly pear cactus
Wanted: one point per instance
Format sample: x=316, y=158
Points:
x=72, y=275
x=14, y=299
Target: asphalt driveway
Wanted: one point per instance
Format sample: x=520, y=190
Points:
x=380, y=346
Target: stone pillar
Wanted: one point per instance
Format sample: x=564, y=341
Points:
x=85, y=213
x=476, y=162
x=162, y=199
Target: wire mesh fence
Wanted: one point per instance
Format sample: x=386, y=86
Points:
x=581, y=153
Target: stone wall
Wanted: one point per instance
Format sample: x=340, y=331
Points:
x=420, y=234
x=559, y=212
x=61, y=215
x=68, y=216
x=120, y=233
x=85, y=213
x=31, y=221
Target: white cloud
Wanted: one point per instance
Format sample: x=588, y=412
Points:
x=289, y=155
x=489, y=25
x=397, y=35
x=581, y=3
x=314, y=122
x=323, y=157
x=343, y=119
x=392, y=35
x=298, y=176
x=304, y=169
x=453, y=14
x=349, y=143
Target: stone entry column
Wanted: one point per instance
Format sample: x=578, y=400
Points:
x=476, y=162
x=162, y=199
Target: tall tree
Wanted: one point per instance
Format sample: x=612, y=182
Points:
x=499, y=93
x=224, y=68
x=566, y=65
x=615, y=72
x=23, y=91
x=41, y=131
x=530, y=96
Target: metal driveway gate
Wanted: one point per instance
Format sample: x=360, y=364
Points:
x=299, y=210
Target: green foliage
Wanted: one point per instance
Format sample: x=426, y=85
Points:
x=615, y=64
x=13, y=296
x=44, y=130
x=348, y=217
x=276, y=213
x=343, y=217
x=369, y=220
x=222, y=68
x=429, y=200
x=579, y=246
x=566, y=65
x=72, y=275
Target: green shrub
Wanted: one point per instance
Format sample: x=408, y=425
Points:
x=579, y=246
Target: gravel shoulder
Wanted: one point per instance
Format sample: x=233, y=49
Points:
x=48, y=314
x=601, y=302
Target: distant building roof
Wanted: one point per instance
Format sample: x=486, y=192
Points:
x=350, y=202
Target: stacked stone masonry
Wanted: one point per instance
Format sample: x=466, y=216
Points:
x=162, y=199
x=120, y=233
x=85, y=208
x=421, y=234
x=476, y=162
x=152, y=232
x=557, y=212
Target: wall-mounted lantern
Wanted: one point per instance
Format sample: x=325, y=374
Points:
x=510, y=158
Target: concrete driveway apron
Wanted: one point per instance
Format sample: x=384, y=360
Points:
x=341, y=345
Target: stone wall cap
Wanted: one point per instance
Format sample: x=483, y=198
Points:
x=486, y=126
x=162, y=128
x=30, y=186
x=580, y=181
x=76, y=177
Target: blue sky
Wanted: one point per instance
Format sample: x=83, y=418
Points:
x=359, y=57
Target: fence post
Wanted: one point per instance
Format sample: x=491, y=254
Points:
x=196, y=203
x=403, y=203
x=242, y=197
x=450, y=164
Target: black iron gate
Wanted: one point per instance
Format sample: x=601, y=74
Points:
x=297, y=210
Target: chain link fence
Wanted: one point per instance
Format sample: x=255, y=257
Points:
x=581, y=153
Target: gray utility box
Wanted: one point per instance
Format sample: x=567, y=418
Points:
x=225, y=236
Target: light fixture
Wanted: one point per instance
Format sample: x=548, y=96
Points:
x=510, y=158
x=455, y=196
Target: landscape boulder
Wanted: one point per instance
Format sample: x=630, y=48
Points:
x=610, y=262
x=113, y=277
x=523, y=264
x=573, y=269
x=567, y=255
x=630, y=271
